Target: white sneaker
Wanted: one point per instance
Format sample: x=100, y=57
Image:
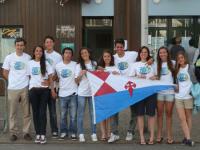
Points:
x=113, y=138
x=81, y=138
x=37, y=139
x=129, y=136
x=62, y=136
x=43, y=139
x=94, y=137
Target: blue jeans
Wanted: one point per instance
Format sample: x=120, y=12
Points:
x=68, y=103
x=80, y=114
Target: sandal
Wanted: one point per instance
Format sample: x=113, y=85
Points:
x=159, y=141
x=170, y=141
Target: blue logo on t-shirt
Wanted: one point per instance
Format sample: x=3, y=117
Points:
x=164, y=71
x=122, y=65
x=35, y=71
x=66, y=73
x=19, y=65
x=182, y=77
x=50, y=61
x=144, y=70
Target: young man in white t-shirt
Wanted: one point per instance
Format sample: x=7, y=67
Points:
x=14, y=70
x=123, y=61
x=67, y=94
x=53, y=58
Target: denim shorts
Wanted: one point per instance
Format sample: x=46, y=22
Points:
x=165, y=97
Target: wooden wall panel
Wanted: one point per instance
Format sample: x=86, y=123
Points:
x=40, y=17
x=127, y=22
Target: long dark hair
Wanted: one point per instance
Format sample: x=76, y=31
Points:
x=159, y=62
x=177, y=68
x=102, y=62
x=139, y=52
x=82, y=62
x=42, y=60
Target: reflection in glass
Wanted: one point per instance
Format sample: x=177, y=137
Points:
x=157, y=22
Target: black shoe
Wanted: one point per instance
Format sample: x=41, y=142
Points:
x=189, y=143
x=13, y=138
x=73, y=137
x=55, y=135
x=27, y=137
x=184, y=141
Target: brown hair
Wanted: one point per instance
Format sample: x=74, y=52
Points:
x=159, y=62
x=177, y=68
x=140, y=50
x=101, y=61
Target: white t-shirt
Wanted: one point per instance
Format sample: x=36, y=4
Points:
x=166, y=75
x=36, y=77
x=123, y=63
x=111, y=69
x=17, y=67
x=66, y=75
x=142, y=69
x=84, y=88
x=184, y=84
x=53, y=58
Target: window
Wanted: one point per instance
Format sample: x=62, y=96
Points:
x=169, y=27
x=8, y=34
x=163, y=29
x=104, y=22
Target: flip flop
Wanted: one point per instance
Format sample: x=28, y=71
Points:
x=151, y=142
x=103, y=139
x=143, y=143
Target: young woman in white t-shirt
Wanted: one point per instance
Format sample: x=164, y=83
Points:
x=106, y=64
x=147, y=106
x=165, y=99
x=183, y=99
x=86, y=63
x=40, y=73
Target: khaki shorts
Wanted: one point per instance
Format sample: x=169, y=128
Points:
x=186, y=103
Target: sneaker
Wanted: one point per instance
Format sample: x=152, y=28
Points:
x=189, y=143
x=73, y=137
x=43, y=139
x=113, y=138
x=94, y=137
x=62, y=136
x=13, y=138
x=55, y=135
x=37, y=139
x=81, y=138
x=184, y=141
x=129, y=136
x=27, y=137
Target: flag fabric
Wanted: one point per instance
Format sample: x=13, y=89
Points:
x=114, y=93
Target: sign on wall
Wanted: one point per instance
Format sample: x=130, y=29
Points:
x=65, y=32
x=64, y=45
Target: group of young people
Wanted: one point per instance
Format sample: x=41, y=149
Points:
x=48, y=76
